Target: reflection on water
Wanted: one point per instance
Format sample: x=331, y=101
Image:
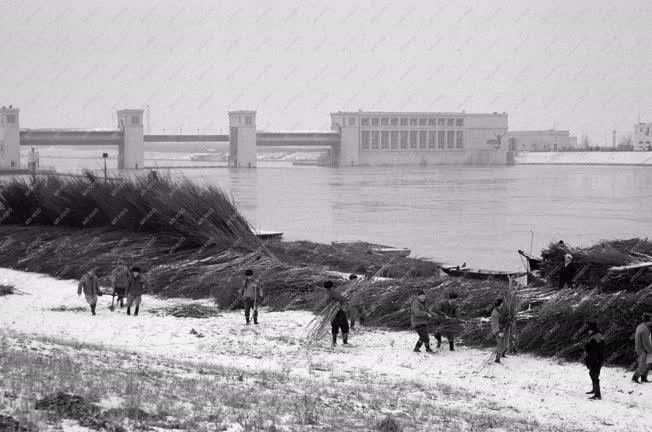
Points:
x=449, y=213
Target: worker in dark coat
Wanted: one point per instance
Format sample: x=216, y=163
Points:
x=567, y=273
x=498, y=324
x=340, y=322
x=448, y=309
x=252, y=295
x=420, y=315
x=594, y=358
x=642, y=348
x=135, y=289
x=89, y=285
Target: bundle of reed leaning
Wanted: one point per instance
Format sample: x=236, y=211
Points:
x=593, y=263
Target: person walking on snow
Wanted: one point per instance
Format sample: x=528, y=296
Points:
x=419, y=316
x=448, y=308
x=252, y=294
x=340, y=322
x=89, y=285
x=357, y=310
x=594, y=358
x=498, y=317
x=120, y=282
x=643, y=348
x=135, y=289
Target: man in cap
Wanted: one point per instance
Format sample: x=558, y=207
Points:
x=340, y=322
x=135, y=289
x=252, y=294
x=420, y=315
x=642, y=347
x=594, y=358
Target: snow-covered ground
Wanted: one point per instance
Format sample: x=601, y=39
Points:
x=585, y=158
x=549, y=391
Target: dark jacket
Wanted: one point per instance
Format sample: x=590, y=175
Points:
x=334, y=295
x=566, y=275
x=594, y=348
x=137, y=286
x=448, y=308
x=419, y=313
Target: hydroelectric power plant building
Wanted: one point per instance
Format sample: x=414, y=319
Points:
x=356, y=138
x=411, y=138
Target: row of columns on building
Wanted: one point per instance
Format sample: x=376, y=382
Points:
x=131, y=154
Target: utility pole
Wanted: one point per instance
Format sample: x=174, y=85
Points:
x=104, y=156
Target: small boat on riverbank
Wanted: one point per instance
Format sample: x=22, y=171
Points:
x=533, y=262
x=376, y=249
x=473, y=273
x=268, y=235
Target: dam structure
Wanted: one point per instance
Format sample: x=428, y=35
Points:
x=356, y=138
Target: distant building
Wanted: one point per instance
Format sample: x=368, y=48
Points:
x=541, y=140
x=405, y=138
x=642, y=139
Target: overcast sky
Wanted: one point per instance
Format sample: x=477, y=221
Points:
x=578, y=65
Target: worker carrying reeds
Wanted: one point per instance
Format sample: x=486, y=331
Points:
x=643, y=348
x=498, y=328
x=135, y=289
x=594, y=358
x=447, y=308
x=567, y=272
x=120, y=282
x=340, y=321
x=89, y=285
x=252, y=295
x=420, y=315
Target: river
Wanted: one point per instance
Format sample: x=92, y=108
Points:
x=452, y=214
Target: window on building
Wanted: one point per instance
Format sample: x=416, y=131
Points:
x=384, y=121
x=423, y=121
x=459, y=142
x=374, y=121
x=11, y=118
x=422, y=139
x=404, y=121
x=413, y=139
x=432, y=139
x=351, y=121
x=248, y=120
x=384, y=140
x=135, y=119
x=414, y=121
x=450, y=122
x=441, y=122
x=459, y=122
x=432, y=121
x=394, y=121
x=441, y=139
x=365, y=121
x=450, y=141
x=374, y=140
x=393, y=139
x=404, y=139
x=364, y=142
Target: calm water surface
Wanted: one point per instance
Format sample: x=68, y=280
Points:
x=454, y=214
x=451, y=214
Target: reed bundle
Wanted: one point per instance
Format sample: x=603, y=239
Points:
x=593, y=263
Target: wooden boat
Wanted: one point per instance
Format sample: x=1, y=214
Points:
x=533, y=262
x=472, y=273
x=388, y=250
x=268, y=235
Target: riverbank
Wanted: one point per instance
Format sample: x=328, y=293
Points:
x=584, y=158
x=154, y=370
